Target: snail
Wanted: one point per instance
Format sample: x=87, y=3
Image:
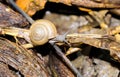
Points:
x=41, y=31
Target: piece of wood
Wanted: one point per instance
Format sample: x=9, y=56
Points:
x=5, y=72
x=21, y=59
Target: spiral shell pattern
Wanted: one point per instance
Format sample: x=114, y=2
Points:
x=41, y=31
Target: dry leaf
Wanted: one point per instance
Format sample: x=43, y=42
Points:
x=31, y=6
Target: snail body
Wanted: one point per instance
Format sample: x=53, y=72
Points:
x=41, y=31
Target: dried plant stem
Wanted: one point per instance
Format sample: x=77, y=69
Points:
x=85, y=35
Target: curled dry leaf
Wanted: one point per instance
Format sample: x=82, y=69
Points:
x=31, y=6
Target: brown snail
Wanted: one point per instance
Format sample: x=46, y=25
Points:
x=41, y=31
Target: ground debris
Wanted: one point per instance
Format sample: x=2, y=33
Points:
x=85, y=29
x=88, y=34
x=95, y=67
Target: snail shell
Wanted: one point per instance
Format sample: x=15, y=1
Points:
x=41, y=31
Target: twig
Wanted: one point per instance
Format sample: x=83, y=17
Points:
x=65, y=59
